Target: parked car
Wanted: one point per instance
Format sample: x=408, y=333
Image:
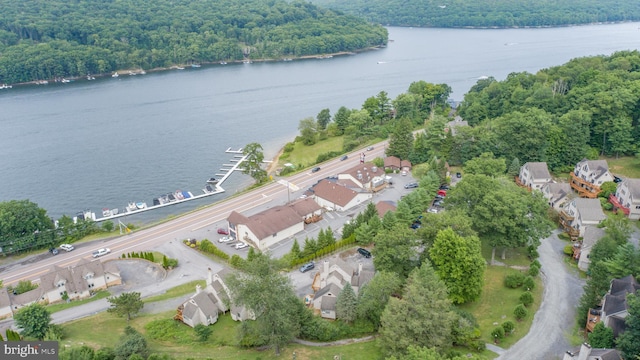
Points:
x=370, y=148
x=444, y=187
x=364, y=252
x=222, y=231
x=439, y=197
x=308, y=266
x=458, y=175
x=315, y=169
x=53, y=251
x=412, y=185
x=101, y=252
x=66, y=247
x=225, y=239
x=241, y=245
x=432, y=211
x=437, y=203
x=404, y=173
x=344, y=157
x=442, y=192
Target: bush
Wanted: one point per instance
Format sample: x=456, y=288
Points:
x=497, y=333
x=514, y=280
x=526, y=298
x=532, y=252
x=508, y=327
x=536, y=263
x=288, y=147
x=520, y=312
x=202, y=332
x=529, y=283
x=533, y=271
x=568, y=250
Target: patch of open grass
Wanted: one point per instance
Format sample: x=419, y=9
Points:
x=513, y=257
x=180, y=290
x=627, y=166
x=305, y=156
x=496, y=305
x=63, y=306
x=220, y=343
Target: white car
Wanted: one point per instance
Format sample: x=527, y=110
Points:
x=67, y=247
x=101, y=252
x=241, y=245
x=225, y=239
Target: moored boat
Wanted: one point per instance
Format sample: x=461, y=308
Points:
x=141, y=205
x=5, y=86
x=212, y=181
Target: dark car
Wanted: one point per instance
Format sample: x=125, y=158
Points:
x=344, y=157
x=444, y=187
x=412, y=185
x=458, y=175
x=306, y=267
x=364, y=252
x=53, y=251
x=315, y=169
x=222, y=231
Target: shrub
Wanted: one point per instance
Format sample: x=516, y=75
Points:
x=533, y=271
x=529, y=283
x=514, y=280
x=508, y=327
x=497, y=333
x=526, y=298
x=202, y=332
x=568, y=250
x=564, y=236
x=520, y=312
x=532, y=252
x=288, y=147
x=536, y=263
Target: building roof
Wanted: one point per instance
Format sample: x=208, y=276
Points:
x=591, y=235
x=334, y=193
x=206, y=302
x=625, y=285
x=634, y=187
x=364, y=172
x=362, y=278
x=596, y=167
x=384, y=206
x=268, y=222
x=589, y=209
x=332, y=289
x=559, y=189
x=305, y=207
x=328, y=303
x=392, y=161
x=538, y=170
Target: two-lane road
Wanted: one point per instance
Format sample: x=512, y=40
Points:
x=275, y=193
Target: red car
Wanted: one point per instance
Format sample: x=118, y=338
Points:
x=222, y=231
x=442, y=192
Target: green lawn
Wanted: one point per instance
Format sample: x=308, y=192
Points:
x=82, y=332
x=513, y=257
x=180, y=290
x=63, y=306
x=305, y=156
x=628, y=166
x=496, y=305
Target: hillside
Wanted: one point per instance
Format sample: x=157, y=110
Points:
x=45, y=39
x=486, y=13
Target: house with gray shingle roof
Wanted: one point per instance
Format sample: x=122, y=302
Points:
x=557, y=194
x=534, y=175
x=591, y=236
x=615, y=308
x=334, y=275
x=585, y=352
x=579, y=213
x=335, y=196
x=627, y=198
x=452, y=126
x=275, y=224
x=588, y=176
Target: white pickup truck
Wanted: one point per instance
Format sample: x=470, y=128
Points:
x=67, y=247
x=100, y=252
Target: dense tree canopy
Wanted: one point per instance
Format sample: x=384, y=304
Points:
x=485, y=13
x=45, y=39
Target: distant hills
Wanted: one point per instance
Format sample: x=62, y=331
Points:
x=47, y=39
x=487, y=13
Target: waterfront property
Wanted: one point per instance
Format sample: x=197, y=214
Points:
x=337, y=196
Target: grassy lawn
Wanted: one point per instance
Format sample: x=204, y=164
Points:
x=81, y=332
x=496, y=305
x=628, y=166
x=180, y=290
x=63, y=306
x=306, y=156
x=513, y=257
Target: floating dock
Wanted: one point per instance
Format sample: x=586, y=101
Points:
x=139, y=207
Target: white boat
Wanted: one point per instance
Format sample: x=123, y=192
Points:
x=5, y=86
x=195, y=65
x=179, y=68
x=131, y=207
x=115, y=75
x=142, y=72
x=223, y=63
x=64, y=81
x=89, y=77
x=141, y=205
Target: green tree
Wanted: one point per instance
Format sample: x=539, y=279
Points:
x=22, y=217
x=253, y=162
x=486, y=164
x=347, y=304
x=401, y=140
x=130, y=343
x=34, y=320
x=295, y=250
x=628, y=342
x=202, y=332
x=374, y=296
x=520, y=312
x=514, y=167
x=601, y=337
x=127, y=304
x=269, y=295
x=308, y=131
x=394, y=251
x=83, y=352
x=459, y=263
x=324, y=117
x=422, y=317
x=526, y=298
x=341, y=119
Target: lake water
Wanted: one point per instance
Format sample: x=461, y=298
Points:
x=103, y=143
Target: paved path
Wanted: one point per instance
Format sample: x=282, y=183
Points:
x=547, y=338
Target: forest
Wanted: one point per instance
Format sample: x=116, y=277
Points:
x=47, y=39
x=486, y=13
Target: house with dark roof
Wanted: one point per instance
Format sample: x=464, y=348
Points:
x=578, y=214
x=75, y=282
x=585, y=352
x=394, y=164
x=591, y=236
x=335, y=274
x=615, y=308
x=588, y=176
x=206, y=304
x=533, y=175
x=627, y=198
x=452, y=126
x=557, y=194
x=275, y=224
x=336, y=196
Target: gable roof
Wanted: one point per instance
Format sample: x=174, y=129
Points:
x=205, y=302
x=538, y=170
x=328, y=303
x=392, y=161
x=334, y=193
x=558, y=189
x=268, y=222
x=362, y=278
x=364, y=172
x=634, y=187
x=329, y=289
x=589, y=209
x=596, y=167
x=305, y=207
x=625, y=285
x=591, y=235
x=385, y=206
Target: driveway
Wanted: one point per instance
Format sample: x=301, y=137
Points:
x=547, y=338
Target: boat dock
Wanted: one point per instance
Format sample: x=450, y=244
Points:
x=182, y=196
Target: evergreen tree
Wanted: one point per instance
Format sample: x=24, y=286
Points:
x=601, y=337
x=374, y=296
x=401, y=140
x=628, y=341
x=295, y=250
x=324, y=116
x=347, y=304
x=514, y=167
